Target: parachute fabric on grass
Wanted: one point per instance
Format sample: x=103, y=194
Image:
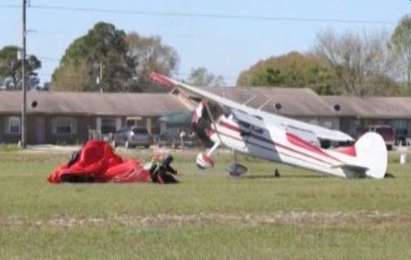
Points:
x=96, y=162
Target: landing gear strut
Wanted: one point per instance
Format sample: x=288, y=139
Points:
x=236, y=169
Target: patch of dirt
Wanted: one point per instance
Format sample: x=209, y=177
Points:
x=284, y=218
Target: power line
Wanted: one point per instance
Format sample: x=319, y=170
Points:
x=34, y=33
x=201, y=15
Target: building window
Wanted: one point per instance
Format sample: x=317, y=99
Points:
x=313, y=121
x=108, y=125
x=133, y=121
x=64, y=126
x=400, y=127
x=14, y=125
x=400, y=124
x=327, y=124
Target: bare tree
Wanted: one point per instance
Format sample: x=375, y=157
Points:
x=148, y=54
x=401, y=44
x=362, y=62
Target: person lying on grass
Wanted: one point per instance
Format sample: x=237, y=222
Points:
x=161, y=171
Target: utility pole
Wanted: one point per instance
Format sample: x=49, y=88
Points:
x=23, y=76
x=101, y=77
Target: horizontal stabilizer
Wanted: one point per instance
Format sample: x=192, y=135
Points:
x=353, y=171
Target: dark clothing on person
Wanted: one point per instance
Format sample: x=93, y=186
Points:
x=162, y=172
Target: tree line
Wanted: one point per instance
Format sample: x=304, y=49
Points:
x=111, y=60
x=351, y=63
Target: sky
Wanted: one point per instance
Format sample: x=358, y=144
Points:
x=225, y=46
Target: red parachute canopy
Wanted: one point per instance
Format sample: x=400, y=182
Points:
x=96, y=162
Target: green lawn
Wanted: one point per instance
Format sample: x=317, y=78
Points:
x=208, y=216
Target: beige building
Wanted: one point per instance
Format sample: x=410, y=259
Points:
x=66, y=117
x=355, y=113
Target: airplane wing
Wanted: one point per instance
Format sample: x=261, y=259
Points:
x=268, y=118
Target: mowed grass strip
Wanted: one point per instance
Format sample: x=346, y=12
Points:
x=207, y=215
x=207, y=242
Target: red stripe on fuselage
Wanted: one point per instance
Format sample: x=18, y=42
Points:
x=273, y=150
x=297, y=141
x=349, y=150
x=238, y=129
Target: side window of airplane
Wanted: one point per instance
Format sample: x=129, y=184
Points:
x=304, y=134
x=245, y=128
x=258, y=130
x=244, y=124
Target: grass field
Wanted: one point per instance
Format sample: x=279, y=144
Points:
x=208, y=216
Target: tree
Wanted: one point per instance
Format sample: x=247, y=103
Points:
x=361, y=62
x=73, y=77
x=102, y=50
x=201, y=77
x=291, y=70
x=10, y=69
x=125, y=61
x=401, y=44
x=148, y=54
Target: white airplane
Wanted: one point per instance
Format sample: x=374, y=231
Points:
x=219, y=121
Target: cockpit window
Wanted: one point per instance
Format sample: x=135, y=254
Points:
x=244, y=124
x=258, y=130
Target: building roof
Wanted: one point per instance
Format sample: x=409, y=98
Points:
x=372, y=107
x=300, y=102
x=90, y=103
x=294, y=102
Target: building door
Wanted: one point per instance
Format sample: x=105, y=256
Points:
x=40, y=123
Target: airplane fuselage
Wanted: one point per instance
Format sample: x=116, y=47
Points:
x=275, y=144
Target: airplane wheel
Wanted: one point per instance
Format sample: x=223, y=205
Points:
x=204, y=162
x=237, y=170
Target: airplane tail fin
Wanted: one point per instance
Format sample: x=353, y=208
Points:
x=372, y=153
